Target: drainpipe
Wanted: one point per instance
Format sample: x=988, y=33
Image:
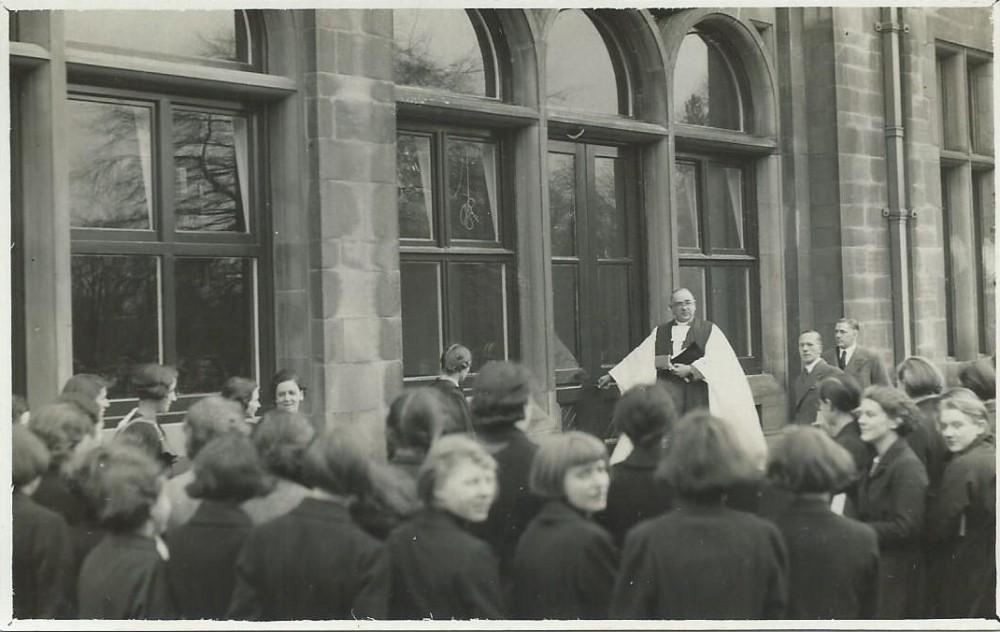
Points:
x=897, y=214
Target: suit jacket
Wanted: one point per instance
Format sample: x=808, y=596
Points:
x=806, y=400
x=833, y=562
x=891, y=499
x=702, y=562
x=203, y=551
x=564, y=567
x=635, y=494
x=440, y=571
x=312, y=563
x=42, y=561
x=865, y=366
x=124, y=577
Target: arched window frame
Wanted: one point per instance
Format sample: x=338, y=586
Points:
x=713, y=39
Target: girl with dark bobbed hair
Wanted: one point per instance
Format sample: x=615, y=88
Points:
x=416, y=419
x=833, y=561
x=923, y=382
x=93, y=387
x=891, y=499
x=244, y=392
x=703, y=560
x=281, y=439
x=156, y=387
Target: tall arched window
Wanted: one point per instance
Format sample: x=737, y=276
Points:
x=584, y=68
x=707, y=85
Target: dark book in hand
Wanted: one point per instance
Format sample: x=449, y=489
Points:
x=688, y=355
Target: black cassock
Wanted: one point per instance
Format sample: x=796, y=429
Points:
x=686, y=395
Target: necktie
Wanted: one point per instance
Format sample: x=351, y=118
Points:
x=842, y=360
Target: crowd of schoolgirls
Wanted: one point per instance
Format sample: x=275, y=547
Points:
x=884, y=509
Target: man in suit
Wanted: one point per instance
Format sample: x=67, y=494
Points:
x=805, y=402
x=864, y=365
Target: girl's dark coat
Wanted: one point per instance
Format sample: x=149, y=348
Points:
x=124, y=577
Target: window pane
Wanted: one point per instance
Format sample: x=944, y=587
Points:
x=116, y=316
x=472, y=190
x=562, y=204
x=705, y=89
x=613, y=316
x=211, y=172
x=421, y=303
x=217, y=35
x=610, y=236
x=725, y=207
x=693, y=278
x=981, y=107
x=985, y=207
x=730, y=308
x=578, y=66
x=477, y=308
x=110, y=165
x=565, y=302
x=439, y=49
x=415, y=185
x=215, y=321
x=686, y=198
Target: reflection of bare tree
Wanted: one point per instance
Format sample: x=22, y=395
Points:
x=413, y=221
x=207, y=191
x=219, y=45
x=414, y=65
x=696, y=108
x=562, y=204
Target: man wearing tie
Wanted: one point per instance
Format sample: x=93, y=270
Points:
x=805, y=402
x=862, y=364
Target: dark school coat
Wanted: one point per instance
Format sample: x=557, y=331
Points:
x=564, y=567
x=833, y=562
x=42, y=561
x=927, y=443
x=961, y=526
x=686, y=395
x=440, y=571
x=702, y=561
x=311, y=563
x=805, y=400
x=635, y=494
x=891, y=499
x=453, y=393
x=865, y=366
x=124, y=577
x=202, y=565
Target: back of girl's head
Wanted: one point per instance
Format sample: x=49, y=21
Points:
x=502, y=390
x=86, y=384
x=556, y=455
x=807, y=460
x=337, y=462
x=153, y=381
x=121, y=483
x=704, y=457
x=61, y=426
x=842, y=391
x=281, y=439
x=285, y=375
x=645, y=413
x=239, y=390
x=966, y=402
x=228, y=468
x=29, y=456
x=83, y=403
x=918, y=377
x=446, y=453
x=980, y=377
x=419, y=416
x=896, y=405
x=211, y=417
x=455, y=359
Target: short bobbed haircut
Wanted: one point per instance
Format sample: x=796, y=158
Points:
x=61, y=426
x=501, y=391
x=980, y=377
x=418, y=416
x=285, y=375
x=29, y=456
x=918, y=377
x=842, y=391
x=86, y=384
x=239, y=390
x=556, y=454
x=645, y=414
x=122, y=483
x=806, y=460
x=337, y=462
x=228, y=468
x=896, y=405
x=445, y=455
x=153, y=381
x=84, y=403
x=704, y=458
x=966, y=402
x=211, y=417
x=456, y=358
x=281, y=439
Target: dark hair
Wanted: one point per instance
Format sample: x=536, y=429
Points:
x=211, y=417
x=84, y=403
x=896, y=405
x=86, y=384
x=418, y=416
x=239, y=390
x=281, y=439
x=980, y=377
x=29, y=456
x=337, y=462
x=285, y=375
x=456, y=358
x=501, y=391
x=645, y=413
x=60, y=426
x=20, y=406
x=444, y=455
x=806, y=460
x=919, y=377
x=704, y=457
x=556, y=454
x=228, y=468
x=850, y=322
x=842, y=391
x=122, y=483
x=153, y=381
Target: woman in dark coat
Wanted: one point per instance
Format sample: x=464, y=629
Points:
x=565, y=563
x=416, y=419
x=456, y=362
x=922, y=382
x=439, y=570
x=644, y=414
x=833, y=561
x=315, y=563
x=703, y=560
x=980, y=377
x=961, y=520
x=156, y=387
x=891, y=499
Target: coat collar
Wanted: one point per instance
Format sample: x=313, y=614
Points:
x=895, y=451
x=643, y=457
x=557, y=511
x=322, y=509
x=811, y=504
x=983, y=441
x=850, y=428
x=214, y=512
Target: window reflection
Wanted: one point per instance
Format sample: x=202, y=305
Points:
x=613, y=317
x=472, y=190
x=421, y=302
x=610, y=237
x=578, y=67
x=730, y=306
x=725, y=207
x=440, y=48
x=705, y=87
x=565, y=296
x=477, y=297
x=686, y=199
x=414, y=181
x=562, y=203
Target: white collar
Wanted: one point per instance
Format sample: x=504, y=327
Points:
x=809, y=367
x=848, y=352
x=445, y=376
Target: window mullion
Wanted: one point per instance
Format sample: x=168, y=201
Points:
x=440, y=160
x=164, y=151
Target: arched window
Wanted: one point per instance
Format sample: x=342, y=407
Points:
x=707, y=86
x=584, y=68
